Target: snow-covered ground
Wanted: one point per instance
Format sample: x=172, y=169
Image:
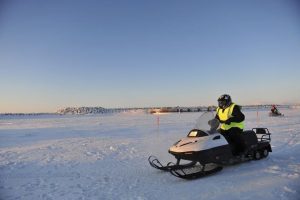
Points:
x=105, y=157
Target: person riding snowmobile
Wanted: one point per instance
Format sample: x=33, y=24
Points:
x=274, y=110
x=232, y=123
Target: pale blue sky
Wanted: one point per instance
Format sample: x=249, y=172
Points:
x=109, y=53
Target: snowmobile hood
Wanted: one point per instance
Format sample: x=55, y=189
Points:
x=198, y=142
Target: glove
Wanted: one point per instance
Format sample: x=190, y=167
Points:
x=209, y=122
x=228, y=121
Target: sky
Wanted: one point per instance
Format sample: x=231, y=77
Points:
x=138, y=53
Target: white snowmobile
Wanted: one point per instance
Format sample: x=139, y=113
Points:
x=208, y=151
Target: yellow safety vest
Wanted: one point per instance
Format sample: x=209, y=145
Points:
x=226, y=114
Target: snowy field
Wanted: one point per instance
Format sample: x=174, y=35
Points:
x=105, y=157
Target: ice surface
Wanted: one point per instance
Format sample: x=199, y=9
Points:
x=105, y=157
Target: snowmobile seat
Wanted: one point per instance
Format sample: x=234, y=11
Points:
x=249, y=138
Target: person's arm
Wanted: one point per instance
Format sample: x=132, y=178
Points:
x=217, y=117
x=237, y=115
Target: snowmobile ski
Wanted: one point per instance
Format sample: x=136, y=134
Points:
x=196, y=171
x=154, y=162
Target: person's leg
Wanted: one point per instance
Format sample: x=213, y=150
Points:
x=230, y=139
x=237, y=140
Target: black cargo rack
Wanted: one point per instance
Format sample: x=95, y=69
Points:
x=263, y=134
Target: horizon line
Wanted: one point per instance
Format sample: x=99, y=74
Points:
x=141, y=107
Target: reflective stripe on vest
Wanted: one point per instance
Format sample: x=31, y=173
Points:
x=225, y=115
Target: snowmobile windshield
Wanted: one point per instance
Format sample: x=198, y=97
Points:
x=207, y=122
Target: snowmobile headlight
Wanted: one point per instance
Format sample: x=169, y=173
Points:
x=176, y=142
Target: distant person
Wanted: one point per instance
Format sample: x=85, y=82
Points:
x=274, y=110
x=232, y=123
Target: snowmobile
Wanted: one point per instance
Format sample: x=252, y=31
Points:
x=205, y=151
x=275, y=114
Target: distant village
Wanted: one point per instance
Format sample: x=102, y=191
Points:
x=150, y=110
x=153, y=110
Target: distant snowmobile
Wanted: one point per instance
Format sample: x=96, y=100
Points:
x=274, y=112
x=208, y=151
x=271, y=114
